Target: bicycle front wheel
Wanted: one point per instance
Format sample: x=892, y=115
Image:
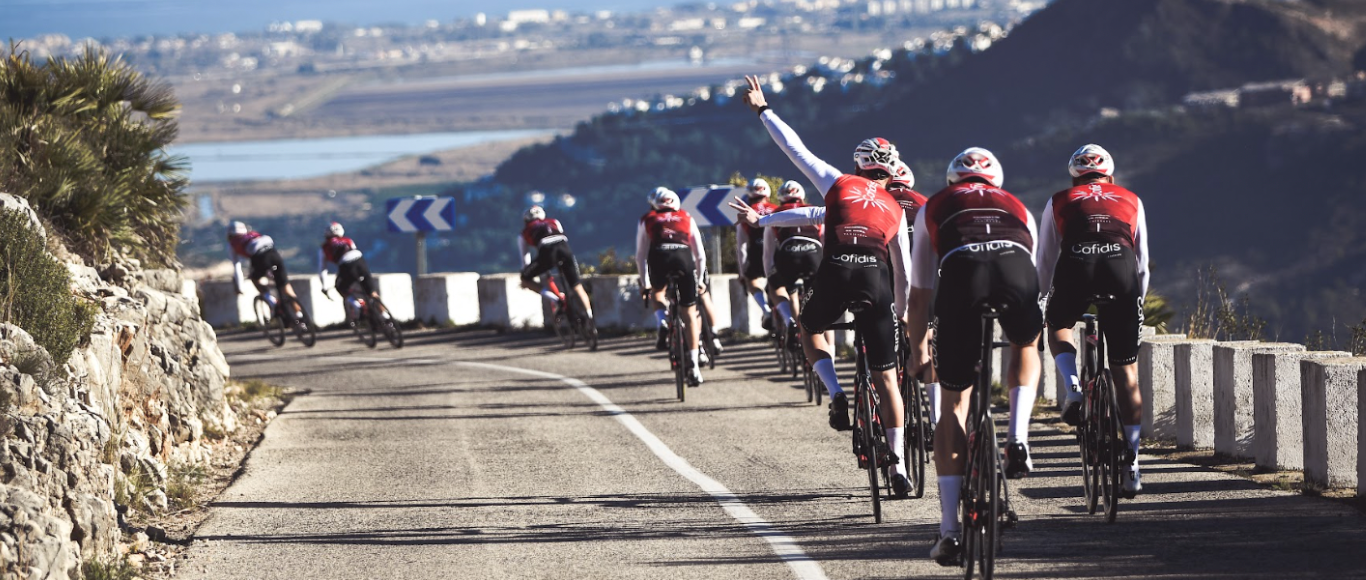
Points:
x=916, y=430
x=870, y=449
x=1113, y=445
x=270, y=324
x=304, y=328
x=388, y=325
x=676, y=354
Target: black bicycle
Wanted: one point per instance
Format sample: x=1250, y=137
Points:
x=815, y=389
x=287, y=312
x=915, y=413
x=985, y=497
x=869, y=436
x=707, y=335
x=571, y=322
x=372, y=318
x=1100, y=434
x=678, y=342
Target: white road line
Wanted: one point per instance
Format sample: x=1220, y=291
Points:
x=783, y=545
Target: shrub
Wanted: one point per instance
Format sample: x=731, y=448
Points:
x=35, y=291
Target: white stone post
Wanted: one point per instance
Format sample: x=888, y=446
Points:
x=1233, y=393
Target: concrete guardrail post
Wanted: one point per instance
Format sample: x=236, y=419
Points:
x=617, y=302
x=397, y=292
x=1194, y=393
x=721, y=301
x=222, y=307
x=746, y=317
x=447, y=298
x=325, y=311
x=1233, y=378
x=189, y=289
x=503, y=303
x=1277, y=411
x=1157, y=383
x=1330, y=389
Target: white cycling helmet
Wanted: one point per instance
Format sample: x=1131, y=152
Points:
x=903, y=175
x=876, y=153
x=792, y=191
x=654, y=196
x=668, y=200
x=976, y=162
x=758, y=188
x=533, y=213
x=1091, y=158
x=335, y=230
x=237, y=229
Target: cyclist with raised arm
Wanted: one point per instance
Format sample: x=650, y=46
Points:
x=975, y=243
x=902, y=188
x=351, y=269
x=258, y=250
x=790, y=253
x=669, y=244
x=749, y=247
x=1094, y=241
x=865, y=257
x=551, y=248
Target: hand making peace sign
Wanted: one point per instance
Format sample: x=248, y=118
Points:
x=754, y=96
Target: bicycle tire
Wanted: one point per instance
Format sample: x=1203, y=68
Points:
x=991, y=522
x=870, y=449
x=780, y=345
x=371, y=334
x=915, y=428
x=271, y=325
x=818, y=386
x=1114, y=446
x=303, y=326
x=708, y=336
x=392, y=332
x=806, y=380
x=676, y=352
x=968, y=501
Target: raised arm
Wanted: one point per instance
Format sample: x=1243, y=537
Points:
x=821, y=174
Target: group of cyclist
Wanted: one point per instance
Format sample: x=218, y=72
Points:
x=265, y=262
x=895, y=258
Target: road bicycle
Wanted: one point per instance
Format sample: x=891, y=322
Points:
x=985, y=496
x=707, y=334
x=1100, y=434
x=811, y=382
x=869, y=436
x=569, y=320
x=286, y=312
x=678, y=342
x=915, y=413
x=371, y=318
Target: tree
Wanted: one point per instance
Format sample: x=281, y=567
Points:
x=84, y=142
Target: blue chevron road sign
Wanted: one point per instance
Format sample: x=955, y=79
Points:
x=421, y=214
x=707, y=204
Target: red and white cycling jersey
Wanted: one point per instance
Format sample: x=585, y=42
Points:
x=911, y=201
x=667, y=228
x=543, y=231
x=812, y=232
x=1093, y=213
x=249, y=244
x=339, y=250
x=966, y=215
x=860, y=213
x=747, y=235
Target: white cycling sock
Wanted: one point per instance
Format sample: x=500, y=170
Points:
x=692, y=357
x=1131, y=434
x=896, y=439
x=825, y=368
x=1021, y=407
x=950, y=488
x=933, y=389
x=551, y=296
x=786, y=310
x=759, y=299
x=661, y=318
x=1067, y=367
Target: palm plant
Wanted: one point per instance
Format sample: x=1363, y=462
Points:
x=84, y=140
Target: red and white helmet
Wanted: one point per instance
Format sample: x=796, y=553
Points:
x=792, y=191
x=237, y=229
x=533, y=213
x=654, y=196
x=1091, y=158
x=758, y=188
x=976, y=162
x=876, y=153
x=335, y=230
x=667, y=199
x=902, y=176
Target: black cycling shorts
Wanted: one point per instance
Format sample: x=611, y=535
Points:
x=792, y=261
x=754, y=261
x=1091, y=268
x=846, y=278
x=553, y=255
x=994, y=273
x=269, y=263
x=673, y=260
x=354, y=272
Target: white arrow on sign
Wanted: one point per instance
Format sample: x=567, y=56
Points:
x=433, y=214
x=399, y=215
x=707, y=204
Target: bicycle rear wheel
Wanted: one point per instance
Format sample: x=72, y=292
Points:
x=388, y=325
x=271, y=325
x=869, y=446
x=676, y=355
x=1112, y=444
x=915, y=428
x=991, y=524
x=708, y=337
x=303, y=326
x=1087, y=447
x=970, y=506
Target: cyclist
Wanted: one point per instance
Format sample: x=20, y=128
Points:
x=1094, y=240
x=976, y=242
x=865, y=253
x=669, y=243
x=547, y=238
x=258, y=250
x=790, y=253
x=901, y=187
x=351, y=268
x=749, y=248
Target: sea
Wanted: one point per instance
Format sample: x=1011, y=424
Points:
x=105, y=19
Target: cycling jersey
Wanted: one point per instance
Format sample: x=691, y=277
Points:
x=1094, y=241
x=910, y=201
x=966, y=216
x=749, y=240
x=337, y=250
x=798, y=238
x=248, y=244
x=256, y=248
x=671, y=231
x=543, y=231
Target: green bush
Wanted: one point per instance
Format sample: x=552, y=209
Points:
x=35, y=290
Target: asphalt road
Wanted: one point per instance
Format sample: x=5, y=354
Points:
x=479, y=455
